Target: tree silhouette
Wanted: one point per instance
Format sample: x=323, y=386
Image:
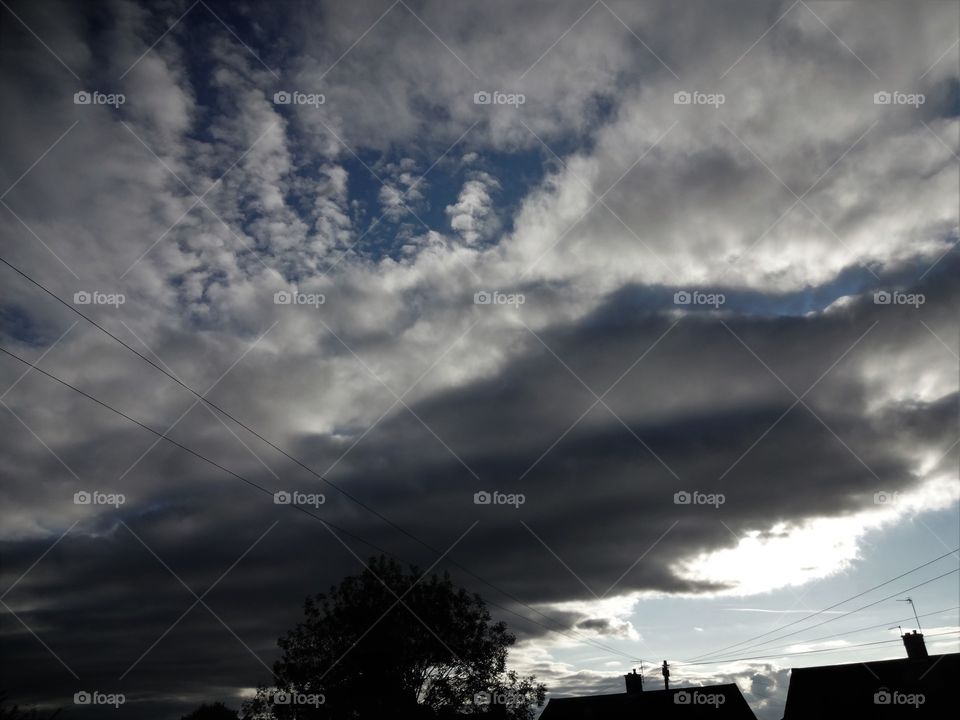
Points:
x=216, y=711
x=15, y=712
x=359, y=653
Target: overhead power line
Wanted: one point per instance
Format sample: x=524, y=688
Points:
x=572, y=635
x=856, y=610
x=811, y=652
x=829, y=607
x=851, y=612
x=886, y=625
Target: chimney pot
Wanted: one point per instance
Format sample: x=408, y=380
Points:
x=916, y=648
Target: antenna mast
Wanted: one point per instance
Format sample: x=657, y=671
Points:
x=914, y=607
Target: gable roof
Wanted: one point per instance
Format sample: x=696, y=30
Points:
x=719, y=702
x=916, y=688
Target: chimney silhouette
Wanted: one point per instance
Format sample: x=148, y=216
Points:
x=916, y=648
x=634, y=681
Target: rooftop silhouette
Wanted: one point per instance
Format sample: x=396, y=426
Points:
x=917, y=686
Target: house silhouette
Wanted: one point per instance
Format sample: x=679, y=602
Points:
x=719, y=702
x=917, y=686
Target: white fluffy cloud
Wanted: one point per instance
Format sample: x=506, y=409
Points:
x=473, y=216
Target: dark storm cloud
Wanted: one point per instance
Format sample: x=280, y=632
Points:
x=600, y=482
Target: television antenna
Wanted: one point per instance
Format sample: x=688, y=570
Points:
x=914, y=607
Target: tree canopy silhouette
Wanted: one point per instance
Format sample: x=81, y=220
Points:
x=395, y=643
x=15, y=712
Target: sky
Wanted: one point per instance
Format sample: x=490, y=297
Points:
x=640, y=319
